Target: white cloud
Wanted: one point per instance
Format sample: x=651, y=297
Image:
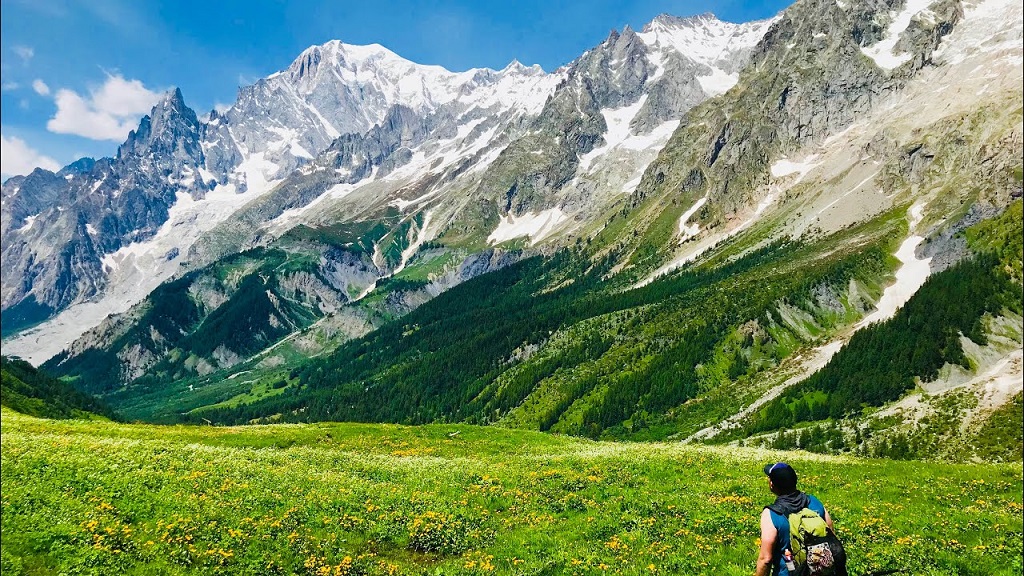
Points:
x=109, y=113
x=17, y=157
x=40, y=87
x=9, y=86
x=24, y=52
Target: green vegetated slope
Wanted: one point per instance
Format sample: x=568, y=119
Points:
x=102, y=498
x=178, y=332
x=257, y=312
x=885, y=361
x=209, y=318
x=882, y=362
x=551, y=343
x=196, y=328
x=30, y=391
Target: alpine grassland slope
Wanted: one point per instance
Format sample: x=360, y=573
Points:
x=958, y=315
x=551, y=343
x=30, y=391
x=88, y=497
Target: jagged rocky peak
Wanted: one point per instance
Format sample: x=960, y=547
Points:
x=332, y=89
x=517, y=67
x=706, y=20
x=171, y=128
x=386, y=79
x=80, y=166
x=306, y=64
x=704, y=40
x=342, y=57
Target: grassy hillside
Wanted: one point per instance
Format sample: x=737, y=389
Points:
x=102, y=498
x=554, y=344
x=883, y=361
x=32, y=392
x=957, y=308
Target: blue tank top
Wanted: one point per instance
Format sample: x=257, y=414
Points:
x=781, y=524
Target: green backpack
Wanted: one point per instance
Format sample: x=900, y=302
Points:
x=816, y=550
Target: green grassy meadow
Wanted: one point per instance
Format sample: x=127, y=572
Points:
x=95, y=497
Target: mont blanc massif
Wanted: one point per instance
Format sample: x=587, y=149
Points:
x=801, y=233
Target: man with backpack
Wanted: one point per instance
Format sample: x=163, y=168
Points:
x=797, y=538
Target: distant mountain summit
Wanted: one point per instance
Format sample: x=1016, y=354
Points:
x=98, y=237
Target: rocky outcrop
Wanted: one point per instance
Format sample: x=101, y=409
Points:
x=59, y=226
x=808, y=79
x=671, y=66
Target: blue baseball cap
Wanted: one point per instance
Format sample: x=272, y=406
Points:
x=782, y=475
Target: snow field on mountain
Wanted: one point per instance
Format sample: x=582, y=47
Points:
x=988, y=27
x=617, y=121
x=687, y=231
x=704, y=40
x=910, y=276
x=425, y=87
x=882, y=52
x=534, y=225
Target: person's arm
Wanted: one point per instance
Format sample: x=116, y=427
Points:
x=768, y=534
x=828, y=520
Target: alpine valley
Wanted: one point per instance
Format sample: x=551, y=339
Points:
x=803, y=232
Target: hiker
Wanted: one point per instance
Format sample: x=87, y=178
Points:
x=796, y=531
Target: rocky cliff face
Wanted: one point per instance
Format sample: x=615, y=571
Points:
x=58, y=227
x=821, y=67
x=338, y=89
x=620, y=94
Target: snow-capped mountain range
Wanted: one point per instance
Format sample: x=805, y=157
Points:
x=348, y=130
x=338, y=196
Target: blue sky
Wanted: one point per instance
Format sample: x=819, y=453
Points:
x=77, y=74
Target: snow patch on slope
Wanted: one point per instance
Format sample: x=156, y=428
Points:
x=717, y=82
x=29, y=222
x=786, y=167
x=882, y=51
x=686, y=230
x=909, y=278
x=533, y=225
x=418, y=235
x=617, y=120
